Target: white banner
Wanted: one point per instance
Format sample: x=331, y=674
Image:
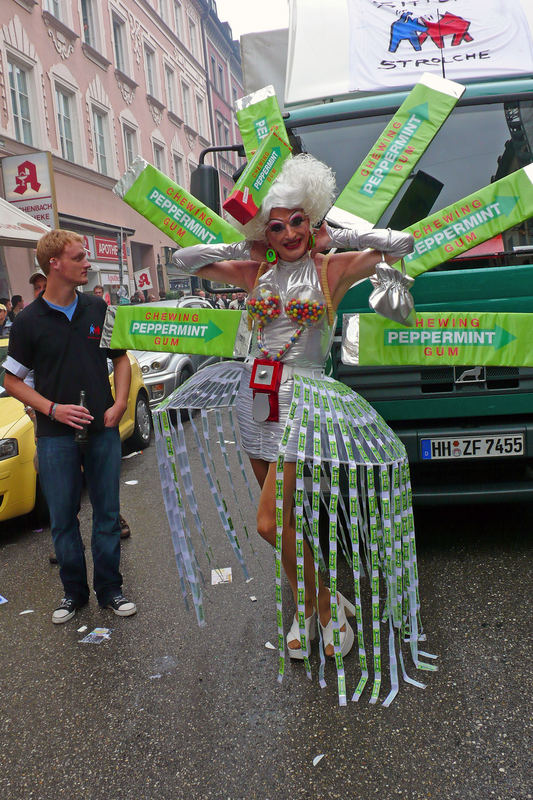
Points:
x=392, y=42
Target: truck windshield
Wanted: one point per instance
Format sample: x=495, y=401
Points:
x=477, y=145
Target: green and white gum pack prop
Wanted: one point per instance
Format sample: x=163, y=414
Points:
x=439, y=338
x=394, y=155
x=257, y=114
x=176, y=212
x=199, y=331
x=471, y=221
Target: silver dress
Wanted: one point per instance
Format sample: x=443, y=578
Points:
x=351, y=473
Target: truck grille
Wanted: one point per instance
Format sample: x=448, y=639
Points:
x=437, y=380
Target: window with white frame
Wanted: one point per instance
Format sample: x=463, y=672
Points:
x=130, y=144
x=159, y=156
x=101, y=138
x=193, y=38
x=149, y=60
x=221, y=81
x=200, y=114
x=178, y=169
x=19, y=87
x=170, y=80
x=66, y=122
x=178, y=19
x=88, y=22
x=119, y=43
x=54, y=7
x=163, y=10
x=186, y=93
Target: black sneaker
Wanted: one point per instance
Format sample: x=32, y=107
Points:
x=120, y=606
x=65, y=610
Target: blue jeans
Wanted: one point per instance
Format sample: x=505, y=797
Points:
x=60, y=463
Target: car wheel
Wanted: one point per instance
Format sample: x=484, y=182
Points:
x=142, y=432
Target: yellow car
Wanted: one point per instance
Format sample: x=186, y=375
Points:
x=19, y=486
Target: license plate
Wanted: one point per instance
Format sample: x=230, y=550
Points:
x=494, y=446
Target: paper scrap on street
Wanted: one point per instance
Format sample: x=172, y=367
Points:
x=97, y=636
x=316, y=759
x=222, y=575
x=131, y=483
x=2, y=600
x=130, y=455
x=82, y=629
x=28, y=611
x=253, y=598
x=269, y=646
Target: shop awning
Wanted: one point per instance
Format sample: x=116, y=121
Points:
x=18, y=229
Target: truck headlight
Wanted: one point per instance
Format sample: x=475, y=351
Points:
x=8, y=448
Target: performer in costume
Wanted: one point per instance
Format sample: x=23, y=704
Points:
x=291, y=416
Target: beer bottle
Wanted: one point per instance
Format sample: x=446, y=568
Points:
x=82, y=436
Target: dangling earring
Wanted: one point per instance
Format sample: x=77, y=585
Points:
x=271, y=256
x=312, y=241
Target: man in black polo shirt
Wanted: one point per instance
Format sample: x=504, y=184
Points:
x=58, y=336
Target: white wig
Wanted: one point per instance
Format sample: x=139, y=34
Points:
x=304, y=182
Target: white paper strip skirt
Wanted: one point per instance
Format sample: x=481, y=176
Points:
x=352, y=479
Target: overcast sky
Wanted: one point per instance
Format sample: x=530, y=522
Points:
x=247, y=16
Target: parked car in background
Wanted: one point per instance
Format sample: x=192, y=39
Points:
x=19, y=484
x=164, y=372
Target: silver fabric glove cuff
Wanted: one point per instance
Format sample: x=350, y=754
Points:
x=395, y=243
x=191, y=259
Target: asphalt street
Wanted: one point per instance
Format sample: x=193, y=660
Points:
x=166, y=710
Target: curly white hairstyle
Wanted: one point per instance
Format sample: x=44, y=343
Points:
x=304, y=182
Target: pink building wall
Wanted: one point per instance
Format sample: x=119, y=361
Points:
x=139, y=67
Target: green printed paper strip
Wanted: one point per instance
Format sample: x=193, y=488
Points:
x=171, y=208
x=393, y=157
x=257, y=114
x=441, y=339
x=199, y=331
x=471, y=221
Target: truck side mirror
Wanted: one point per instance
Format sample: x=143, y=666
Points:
x=205, y=186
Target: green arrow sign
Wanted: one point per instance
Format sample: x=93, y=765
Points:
x=441, y=338
x=171, y=208
x=200, y=331
x=471, y=221
x=394, y=155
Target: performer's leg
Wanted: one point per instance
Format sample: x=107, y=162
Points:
x=266, y=526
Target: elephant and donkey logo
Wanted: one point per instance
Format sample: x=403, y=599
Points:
x=415, y=30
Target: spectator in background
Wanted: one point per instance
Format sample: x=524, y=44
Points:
x=5, y=301
x=4, y=329
x=98, y=290
x=17, y=304
x=162, y=295
x=38, y=281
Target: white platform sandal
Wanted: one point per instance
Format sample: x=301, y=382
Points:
x=294, y=636
x=347, y=637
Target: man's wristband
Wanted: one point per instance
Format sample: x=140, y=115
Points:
x=52, y=411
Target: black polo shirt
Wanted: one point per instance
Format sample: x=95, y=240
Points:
x=66, y=357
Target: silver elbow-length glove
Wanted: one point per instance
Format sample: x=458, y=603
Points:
x=394, y=243
x=191, y=259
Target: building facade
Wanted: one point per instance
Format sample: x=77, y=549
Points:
x=96, y=84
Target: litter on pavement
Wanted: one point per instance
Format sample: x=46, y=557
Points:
x=222, y=575
x=97, y=636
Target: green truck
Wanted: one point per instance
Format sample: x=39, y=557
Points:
x=468, y=429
